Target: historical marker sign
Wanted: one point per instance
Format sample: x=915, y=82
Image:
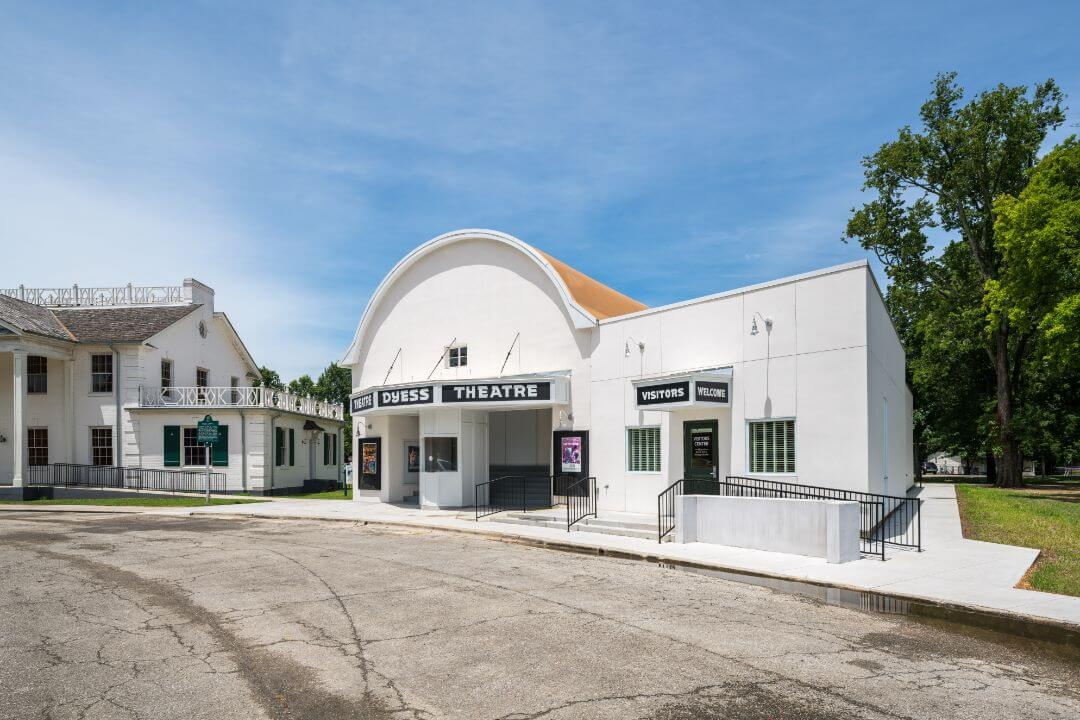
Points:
x=207, y=431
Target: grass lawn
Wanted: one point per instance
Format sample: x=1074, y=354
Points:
x=1044, y=515
x=328, y=495
x=155, y=501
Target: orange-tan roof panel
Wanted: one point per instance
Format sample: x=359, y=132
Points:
x=593, y=295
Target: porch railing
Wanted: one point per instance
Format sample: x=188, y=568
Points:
x=580, y=501
x=76, y=296
x=238, y=397
x=126, y=478
x=883, y=519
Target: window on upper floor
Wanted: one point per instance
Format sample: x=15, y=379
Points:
x=166, y=374
x=202, y=376
x=101, y=373
x=457, y=356
x=37, y=374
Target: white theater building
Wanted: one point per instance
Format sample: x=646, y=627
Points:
x=479, y=355
x=119, y=377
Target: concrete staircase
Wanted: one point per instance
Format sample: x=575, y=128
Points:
x=625, y=524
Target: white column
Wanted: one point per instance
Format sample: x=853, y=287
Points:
x=69, y=408
x=18, y=432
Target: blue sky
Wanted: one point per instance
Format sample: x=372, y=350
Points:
x=290, y=154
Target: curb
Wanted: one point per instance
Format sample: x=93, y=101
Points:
x=1031, y=627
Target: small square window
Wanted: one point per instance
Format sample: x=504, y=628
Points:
x=458, y=356
x=643, y=449
x=440, y=454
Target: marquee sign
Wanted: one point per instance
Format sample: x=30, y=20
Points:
x=496, y=392
x=521, y=391
x=360, y=403
x=664, y=393
x=707, y=389
x=400, y=397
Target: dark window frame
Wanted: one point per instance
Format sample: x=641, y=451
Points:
x=101, y=446
x=37, y=446
x=37, y=375
x=101, y=373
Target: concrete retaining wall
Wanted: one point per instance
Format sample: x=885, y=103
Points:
x=818, y=528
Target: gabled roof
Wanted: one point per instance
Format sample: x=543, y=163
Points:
x=120, y=324
x=593, y=295
x=34, y=319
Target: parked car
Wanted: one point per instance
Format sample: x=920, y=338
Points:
x=929, y=468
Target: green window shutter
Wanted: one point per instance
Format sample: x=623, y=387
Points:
x=292, y=447
x=326, y=448
x=220, y=455
x=172, y=446
x=335, y=441
x=279, y=447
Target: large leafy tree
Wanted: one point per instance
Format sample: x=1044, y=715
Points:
x=335, y=385
x=944, y=179
x=269, y=378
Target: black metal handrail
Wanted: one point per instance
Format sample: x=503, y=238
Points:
x=667, y=499
x=580, y=500
x=883, y=519
x=126, y=478
x=499, y=495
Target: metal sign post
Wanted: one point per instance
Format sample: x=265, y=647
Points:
x=207, y=434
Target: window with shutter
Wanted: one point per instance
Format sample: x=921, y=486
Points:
x=771, y=446
x=279, y=447
x=643, y=449
x=292, y=447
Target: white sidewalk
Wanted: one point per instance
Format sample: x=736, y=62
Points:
x=949, y=570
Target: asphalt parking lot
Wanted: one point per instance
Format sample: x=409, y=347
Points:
x=139, y=616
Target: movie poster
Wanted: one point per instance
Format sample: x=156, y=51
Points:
x=370, y=463
x=571, y=454
x=413, y=452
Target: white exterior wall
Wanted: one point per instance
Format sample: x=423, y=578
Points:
x=828, y=361
x=69, y=414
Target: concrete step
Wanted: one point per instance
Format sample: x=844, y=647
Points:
x=591, y=525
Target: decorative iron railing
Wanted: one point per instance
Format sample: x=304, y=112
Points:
x=125, y=478
x=884, y=519
x=76, y=296
x=238, y=397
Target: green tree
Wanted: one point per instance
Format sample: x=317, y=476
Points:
x=945, y=179
x=269, y=378
x=335, y=385
x=303, y=385
x=1038, y=235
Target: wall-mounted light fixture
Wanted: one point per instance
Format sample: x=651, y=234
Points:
x=754, y=326
x=626, y=347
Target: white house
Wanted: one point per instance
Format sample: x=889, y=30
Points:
x=119, y=377
x=479, y=355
